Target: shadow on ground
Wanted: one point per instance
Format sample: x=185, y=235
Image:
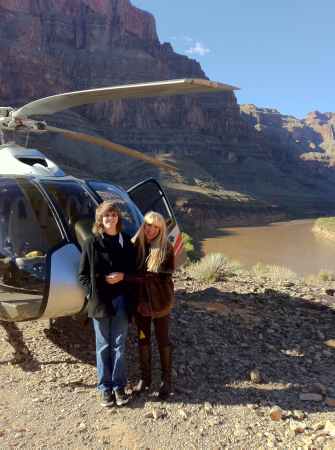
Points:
x=225, y=335
x=219, y=338
x=22, y=355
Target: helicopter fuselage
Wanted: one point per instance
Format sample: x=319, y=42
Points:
x=45, y=217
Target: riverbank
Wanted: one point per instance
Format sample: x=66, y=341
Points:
x=325, y=227
x=253, y=368
x=291, y=244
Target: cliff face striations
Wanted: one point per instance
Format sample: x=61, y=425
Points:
x=228, y=160
x=52, y=46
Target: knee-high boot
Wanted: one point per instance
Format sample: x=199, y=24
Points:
x=145, y=367
x=165, y=354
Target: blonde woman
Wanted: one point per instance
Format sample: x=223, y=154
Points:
x=106, y=258
x=155, y=262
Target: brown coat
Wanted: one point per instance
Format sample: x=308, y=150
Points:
x=156, y=294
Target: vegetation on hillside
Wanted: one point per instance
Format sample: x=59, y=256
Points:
x=216, y=266
x=188, y=246
x=325, y=226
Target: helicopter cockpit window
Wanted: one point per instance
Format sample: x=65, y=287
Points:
x=74, y=204
x=28, y=231
x=131, y=216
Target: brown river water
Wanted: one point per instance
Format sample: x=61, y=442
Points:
x=291, y=244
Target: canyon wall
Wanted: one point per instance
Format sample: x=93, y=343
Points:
x=232, y=161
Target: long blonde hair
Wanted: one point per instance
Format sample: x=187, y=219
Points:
x=158, y=247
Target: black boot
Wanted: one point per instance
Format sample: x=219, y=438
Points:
x=145, y=366
x=165, y=354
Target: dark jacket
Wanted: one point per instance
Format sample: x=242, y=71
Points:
x=97, y=260
x=156, y=292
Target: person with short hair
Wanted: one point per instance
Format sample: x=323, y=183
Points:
x=106, y=258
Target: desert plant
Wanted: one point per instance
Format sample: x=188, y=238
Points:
x=326, y=275
x=323, y=276
x=325, y=226
x=233, y=267
x=209, y=268
x=273, y=272
x=260, y=270
x=188, y=245
x=326, y=223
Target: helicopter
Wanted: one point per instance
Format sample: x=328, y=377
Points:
x=46, y=215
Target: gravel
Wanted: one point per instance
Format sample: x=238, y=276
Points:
x=252, y=369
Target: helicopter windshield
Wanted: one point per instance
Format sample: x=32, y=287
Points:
x=28, y=232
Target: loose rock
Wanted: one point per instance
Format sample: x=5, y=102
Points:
x=310, y=397
x=158, y=413
x=255, y=376
x=330, y=343
x=276, y=413
x=183, y=414
x=298, y=415
x=329, y=401
x=82, y=426
x=298, y=427
x=330, y=428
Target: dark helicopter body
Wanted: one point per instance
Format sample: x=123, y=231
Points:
x=44, y=220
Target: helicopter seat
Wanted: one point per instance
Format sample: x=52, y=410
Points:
x=83, y=230
x=23, y=230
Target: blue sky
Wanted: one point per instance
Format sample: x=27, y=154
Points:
x=281, y=53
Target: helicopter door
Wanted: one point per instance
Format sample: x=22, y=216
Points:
x=75, y=208
x=29, y=234
x=149, y=196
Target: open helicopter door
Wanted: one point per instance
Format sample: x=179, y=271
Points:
x=37, y=263
x=149, y=196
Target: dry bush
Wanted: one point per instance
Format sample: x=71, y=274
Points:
x=233, y=267
x=273, y=272
x=326, y=275
x=209, y=268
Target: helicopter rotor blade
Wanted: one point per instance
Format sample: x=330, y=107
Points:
x=60, y=102
x=95, y=140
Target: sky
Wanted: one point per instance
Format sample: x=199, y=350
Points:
x=280, y=53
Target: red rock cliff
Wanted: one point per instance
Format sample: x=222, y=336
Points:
x=53, y=46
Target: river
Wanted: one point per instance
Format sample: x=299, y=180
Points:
x=291, y=244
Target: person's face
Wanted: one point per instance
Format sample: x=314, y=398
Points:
x=110, y=220
x=151, y=231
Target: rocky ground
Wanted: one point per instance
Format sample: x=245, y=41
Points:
x=254, y=368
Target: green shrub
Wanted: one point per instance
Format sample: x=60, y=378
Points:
x=273, y=272
x=188, y=243
x=323, y=276
x=326, y=223
x=326, y=275
x=209, y=268
x=325, y=226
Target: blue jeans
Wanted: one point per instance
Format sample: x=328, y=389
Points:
x=110, y=342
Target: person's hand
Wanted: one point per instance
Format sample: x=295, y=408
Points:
x=114, y=277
